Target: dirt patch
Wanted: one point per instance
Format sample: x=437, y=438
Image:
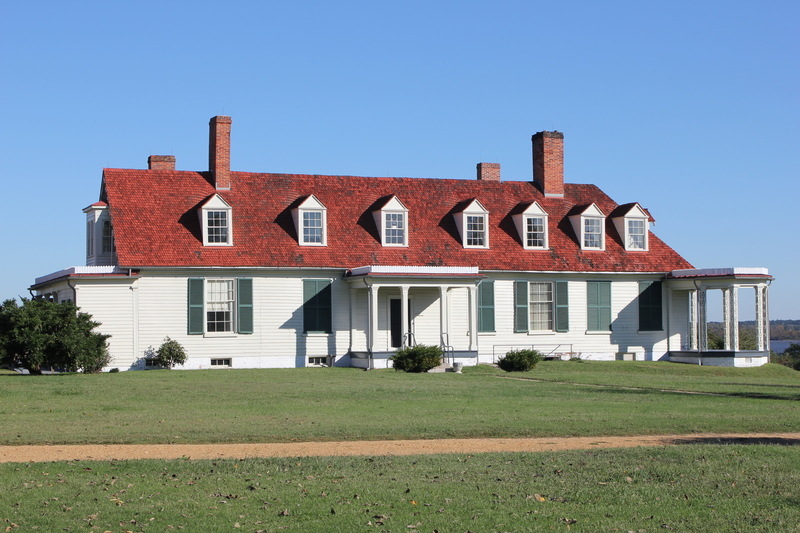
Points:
x=106, y=452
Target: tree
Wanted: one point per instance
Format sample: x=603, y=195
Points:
x=42, y=334
x=790, y=356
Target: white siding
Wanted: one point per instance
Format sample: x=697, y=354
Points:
x=111, y=302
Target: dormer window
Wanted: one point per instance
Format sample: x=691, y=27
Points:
x=633, y=225
x=532, y=227
x=589, y=226
x=473, y=225
x=311, y=222
x=100, y=248
x=215, y=217
x=392, y=222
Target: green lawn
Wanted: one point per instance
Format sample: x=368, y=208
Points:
x=686, y=488
x=576, y=398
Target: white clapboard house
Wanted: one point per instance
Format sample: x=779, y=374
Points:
x=253, y=270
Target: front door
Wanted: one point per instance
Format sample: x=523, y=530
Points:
x=395, y=322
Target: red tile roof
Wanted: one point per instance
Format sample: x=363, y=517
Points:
x=156, y=223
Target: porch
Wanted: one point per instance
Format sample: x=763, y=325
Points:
x=392, y=307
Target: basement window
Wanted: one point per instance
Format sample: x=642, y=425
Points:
x=221, y=362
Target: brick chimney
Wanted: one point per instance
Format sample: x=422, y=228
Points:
x=161, y=162
x=489, y=171
x=219, y=151
x=548, y=162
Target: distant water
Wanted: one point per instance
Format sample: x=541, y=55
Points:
x=780, y=346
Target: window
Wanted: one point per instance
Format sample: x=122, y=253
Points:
x=394, y=228
x=486, y=307
x=217, y=222
x=221, y=362
x=90, y=238
x=311, y=222
x=476, y=231
x=391, y=219
x=108, y=237
x=633, y=226
x=317, y=306
x=473, y=225
x=598, y=305
x=535, y=232
x=532, y=227
x=592, y=233
x=589, y=225
x=650, y=306
x=541, y=306
x=220, y=306
x=312, y=227
x=215, y=218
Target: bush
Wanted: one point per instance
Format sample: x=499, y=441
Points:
x=420, y=358
x=41, y=334
x=790, y=357
x=519, y=360
x=169, y=354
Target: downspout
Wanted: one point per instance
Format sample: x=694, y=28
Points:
x=74, y=292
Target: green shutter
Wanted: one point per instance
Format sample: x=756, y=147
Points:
x=598, y=305
x=195, y=308
x=486, y=306
x=562, y=306
x=244, y=305
x=650, y=306
x=317, y=306
x=521, y=306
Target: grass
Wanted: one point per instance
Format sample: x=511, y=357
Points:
x=284, y=405
x=694, y=488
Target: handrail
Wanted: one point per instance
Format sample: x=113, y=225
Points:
x=449, y=351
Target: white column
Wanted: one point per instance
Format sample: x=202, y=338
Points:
x=443, y=314
x=352, y=317
x=404, y=325
x=733, y=296
x=473, y=317
x=726, y=319
x=372, y=326
x=694, y=343
x=702, y=323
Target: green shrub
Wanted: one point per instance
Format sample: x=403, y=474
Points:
x=420, y=358
x=169, y=354
x=519, y=360
x=790, y=357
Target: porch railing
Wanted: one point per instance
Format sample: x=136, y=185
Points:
x=447, y=348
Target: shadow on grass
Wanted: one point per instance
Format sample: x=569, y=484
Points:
x=779, y=441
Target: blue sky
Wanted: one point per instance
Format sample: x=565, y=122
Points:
x=690, y=108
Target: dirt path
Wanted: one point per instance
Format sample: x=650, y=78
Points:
x=56, y=452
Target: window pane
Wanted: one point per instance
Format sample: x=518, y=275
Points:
x=476, y=230
x=535, y=232
x=312, y=227
x=217, y=226
x=219, y=305
x=591, y=233
x=636, y=234
x=395, y=228
x=541, y=306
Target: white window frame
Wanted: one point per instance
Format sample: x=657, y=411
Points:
x=213, y=206
x=590, y=224
x=523, y=220
x=474, y=211
x=210, y=303
x=551, y=306
x=311, y=205
x=221, y=362
x=393, y=208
